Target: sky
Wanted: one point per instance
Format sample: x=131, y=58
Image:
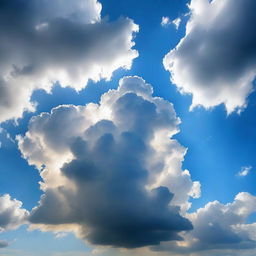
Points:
x=127, y=128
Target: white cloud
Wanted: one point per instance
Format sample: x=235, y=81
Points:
x=244, y=171
x=166, y=22
x=12, y=215
x=216, y=60
x=117, y=158
x=177, y=22
x=66, y=43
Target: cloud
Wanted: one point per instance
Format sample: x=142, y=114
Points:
x=5, y=138
x=3, y=244
x=217, y=225
x=48, y=42
x=216, y=59
x=111, y=171
x=12, y=215
x=166, y=22
x=177, y=22
x=244, y=171
x=220, y=227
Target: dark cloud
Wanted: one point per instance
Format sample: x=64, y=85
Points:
x=119, y=211
x=3, y=244
x=106, y=165
x=216, y=60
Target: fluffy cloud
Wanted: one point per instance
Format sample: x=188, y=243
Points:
x=48, y=42
x=216, y=60
x=219, y=227
x=223, y=226
x=111, y=171
x=11, y=213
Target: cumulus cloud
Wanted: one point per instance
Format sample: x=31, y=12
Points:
x=48, y=42
x=111, y=171
x=219, y=226
x=12, y=215
x=216, y=59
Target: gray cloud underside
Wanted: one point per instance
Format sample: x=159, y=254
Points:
x=216, y=60
x=219, y=228
x=114, y=180
x=12, y=215
x=112, y=174
x=69, y=45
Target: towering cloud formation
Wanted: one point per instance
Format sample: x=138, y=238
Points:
x=11, y=214
x=111, y=171
x=49, y=41
x=112, y=174
x=216, y=60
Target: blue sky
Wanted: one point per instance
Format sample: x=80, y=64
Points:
x=218, y=144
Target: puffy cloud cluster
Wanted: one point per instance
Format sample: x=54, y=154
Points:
x=111, y=171
x=219, y=227
x=12, y=215
x=216, y=59
x=49, y=41
x=224, y=226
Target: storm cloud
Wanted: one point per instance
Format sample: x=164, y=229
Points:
x=48, y=42
x=111, y=172
x=216, y=60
